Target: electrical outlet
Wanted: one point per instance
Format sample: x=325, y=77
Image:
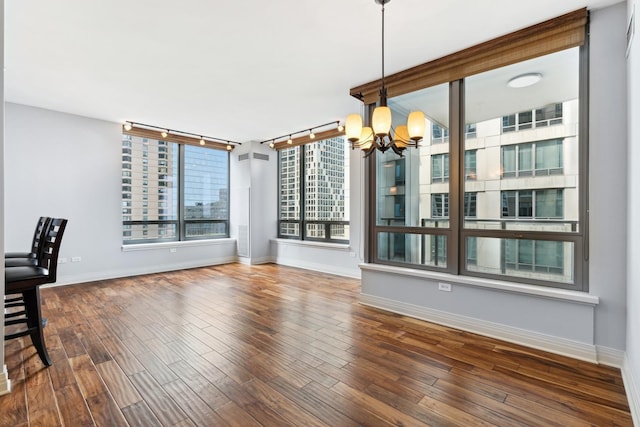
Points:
x=173, y=250
x=444, y=287
x=63, y=260
x=76, y=259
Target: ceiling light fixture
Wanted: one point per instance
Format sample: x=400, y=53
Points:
x=324, y=134
x=524, y=80
x=380, y=135
x=179, y=136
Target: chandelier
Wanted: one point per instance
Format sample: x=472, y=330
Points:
x=381, y=135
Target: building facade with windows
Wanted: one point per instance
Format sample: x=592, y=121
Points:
x=314, y=191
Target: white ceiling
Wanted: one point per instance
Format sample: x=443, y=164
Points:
x=242, y=69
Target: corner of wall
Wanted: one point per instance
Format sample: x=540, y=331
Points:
x=5, y=383
x=632, y=387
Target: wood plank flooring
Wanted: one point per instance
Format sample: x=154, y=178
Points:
x=238, y=345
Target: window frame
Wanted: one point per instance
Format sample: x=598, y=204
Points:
x=456, y=233
x=302, y=221
x=180, y=223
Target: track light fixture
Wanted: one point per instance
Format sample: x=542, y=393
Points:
x=165, y=132
x=380, y=136
x=273, y=141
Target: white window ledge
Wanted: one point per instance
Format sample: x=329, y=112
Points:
x=521, y=288
x=309, y=243
x=181, y=244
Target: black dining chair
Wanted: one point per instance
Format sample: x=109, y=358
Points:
x=16, y=259
x=22, y=289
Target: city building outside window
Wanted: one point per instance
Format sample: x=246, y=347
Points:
x=173, y=191
x=314, y=191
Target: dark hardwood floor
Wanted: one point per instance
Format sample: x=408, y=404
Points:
x=268, y=345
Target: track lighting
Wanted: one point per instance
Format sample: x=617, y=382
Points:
x=312, y=135
x=178, y=136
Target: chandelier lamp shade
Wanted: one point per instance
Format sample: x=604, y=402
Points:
x=381, y=135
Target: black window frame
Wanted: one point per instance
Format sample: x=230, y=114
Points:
x=302, y=222
x=181, y=223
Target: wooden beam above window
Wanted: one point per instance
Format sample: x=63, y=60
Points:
x=301, y=140
x=180, y=139
x=551, y=36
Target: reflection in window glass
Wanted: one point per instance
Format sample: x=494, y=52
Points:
x=533, y=259
x=527, y=147
x=405, y=185
x=406, y=248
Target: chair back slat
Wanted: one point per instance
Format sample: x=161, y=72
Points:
x=38, y=235
x=51, y=246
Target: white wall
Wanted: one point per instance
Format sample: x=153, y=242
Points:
x=631, y=368
x=63, y=165
x=591, y=328
x=254, y=199
x=608, y=174
x=4, y=380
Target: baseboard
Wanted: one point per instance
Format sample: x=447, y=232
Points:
x=5, y=383
x=610, y=356
x=524, y=337
x=632, y=387
x=147, y=269
x=321, y=268
x=256, y=261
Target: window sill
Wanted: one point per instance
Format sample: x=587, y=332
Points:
x=310, y=243
x=520, y=288
x=182, y=244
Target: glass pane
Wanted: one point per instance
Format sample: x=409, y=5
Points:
x=327, y=180
x=339, y=231
x=149, y=232
x=206, y=230
x=527, y=146
x=314, y=231
x=290, y=229
x=206, y=188
x=405, y=185
x=150, y=188
x=289, y=184
x=534, y=259
x=421, y=249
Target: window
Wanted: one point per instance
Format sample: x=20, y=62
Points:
x=439, y=134
x=440, y=168
x=314, y=189
x=503, y=196
x=546, y=116
x=532, y=159
x=173, y=192
x=470, y=164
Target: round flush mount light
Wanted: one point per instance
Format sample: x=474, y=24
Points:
x=524, y=80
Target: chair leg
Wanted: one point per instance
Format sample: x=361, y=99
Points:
x=35, y=321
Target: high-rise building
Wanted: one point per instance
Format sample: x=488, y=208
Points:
x=326, y=189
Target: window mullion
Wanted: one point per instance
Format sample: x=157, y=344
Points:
x=303, y=192
x=181, y=210
x=455, y=247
